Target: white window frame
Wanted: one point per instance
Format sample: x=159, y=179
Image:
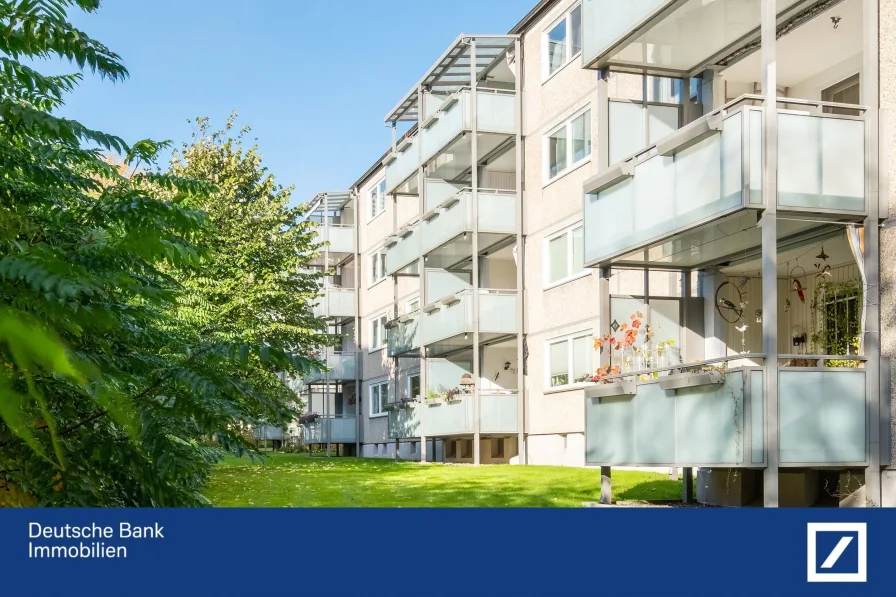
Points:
x=373, y=323
x=407, y=305
x=546, y=257
x=382, y=412
x=410, y=385
x=546, y=73
x=570, y=165
x=376, y=200
x=378, y=267
x=570, y=361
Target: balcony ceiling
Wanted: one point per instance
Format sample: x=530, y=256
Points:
x=810, y=50
x=696, y=34
x=731, y=240
x=452, y=71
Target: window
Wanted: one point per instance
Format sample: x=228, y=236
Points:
x=567, y=145
x=412, y=305
x=565, y=258
x=570, y=360
x=844, y=92
x=378, y=332
x=377, y=199
x=379, y=396
x=563, y=41
x=377, y=267
x=414, y=386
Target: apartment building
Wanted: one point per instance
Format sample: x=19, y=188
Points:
x=702, y=186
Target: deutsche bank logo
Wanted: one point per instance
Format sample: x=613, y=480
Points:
x=837, y=552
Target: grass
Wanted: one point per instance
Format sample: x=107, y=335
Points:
x=286, y=480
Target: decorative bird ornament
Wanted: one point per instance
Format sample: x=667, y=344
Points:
x=726, y=304
x=799, y=291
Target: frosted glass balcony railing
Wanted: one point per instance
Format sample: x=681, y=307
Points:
x=405, y=421
x=496, y=113
x=605, y=22
x=342, y=238
x=341, y=302
x=441, y=283
x=403, y=336
x=822, y=415
x=703, y=425
x=498, y=414
x=340, y=429
x=402, y=165
x=343, y=366
x=453, y=315
x=454, y=216
x=403, y=248
x=713, y=167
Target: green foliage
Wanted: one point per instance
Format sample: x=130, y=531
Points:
x=837, y=311
x=134, y=326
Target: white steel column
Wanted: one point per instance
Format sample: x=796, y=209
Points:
x=769, y=225
x=421, y=268
x=603, y=283
x=356, y=278
x=870, y=97
x=474, y=150
x=520, y=260
x=327, y=286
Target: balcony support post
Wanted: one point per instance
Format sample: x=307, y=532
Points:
x=421, y=267
x=520, y=260
x=871, y=341
x=687, y=485
x=606, y=485
x=769, y=225
x=603, y=121
x=474, y=149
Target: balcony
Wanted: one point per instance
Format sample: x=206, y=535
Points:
x=498, y=415
x=403, y=338
x=341, y=238
x=669, y=36
x=343, y=366
x=717, y=418
x=448, y=226
x=448, y=323
x=404, y=420
x=336, y=302
x=402, y=164
x=691, y=181
x=402, y=248
x=337, y=429
x=444, y=130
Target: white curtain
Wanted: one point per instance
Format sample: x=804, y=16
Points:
x=854, y=235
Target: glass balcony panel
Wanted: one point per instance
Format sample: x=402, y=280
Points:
x=666, y=194
x=757, y=416
x=497, y=315
x=342, y=238
x=405, y=422
x=405, y=165
x=497, y=214
x=334, y=428
x=701, y=425
x=661, y=121
x=439, y=190
x=448, y=320
x=498, y=413
x=341, y=303
x=822, y=416
x=497, y=311
x=442, y=132
x=606, y=21
x=496, y=111
x=343, y=367
x=821, y=162
x=755, y=156
x=404, y=338
x=442, y=283
x=626, y=130
x=405, y=252
x=449, y=418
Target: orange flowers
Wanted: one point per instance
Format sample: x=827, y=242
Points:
x=603, y=372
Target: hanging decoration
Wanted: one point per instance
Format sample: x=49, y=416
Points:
x=796, y=284
x=730, y=302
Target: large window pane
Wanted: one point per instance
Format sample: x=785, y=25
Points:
x=575, y=27
x=558, y=255
x=581, y=137
x=381, y=191
x=582, y=349
x=557, y=47
x=557, y=152
x=578, y=250
x=415, y=386
x=559, y=363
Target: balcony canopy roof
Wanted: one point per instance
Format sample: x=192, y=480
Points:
x=452, y=71
x=682, y=37
x=330, y=201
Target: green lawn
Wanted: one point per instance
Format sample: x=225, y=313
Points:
x=299, y=480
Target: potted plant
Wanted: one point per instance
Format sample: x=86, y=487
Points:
x=309, y=418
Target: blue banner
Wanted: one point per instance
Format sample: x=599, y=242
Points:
x=395, y=552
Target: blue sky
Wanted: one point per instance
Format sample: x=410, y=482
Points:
x=313, y=79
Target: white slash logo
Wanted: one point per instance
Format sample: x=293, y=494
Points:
x=847, y=535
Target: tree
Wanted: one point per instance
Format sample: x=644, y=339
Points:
x=110, y=384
